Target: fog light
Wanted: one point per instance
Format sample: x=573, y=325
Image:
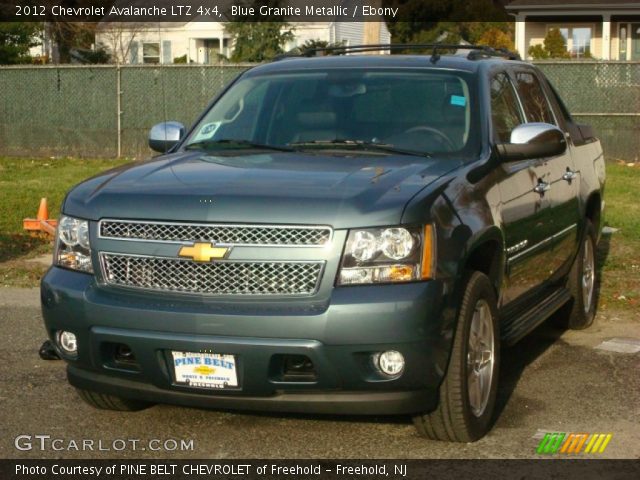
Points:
x=67, y=342
x=390, y=362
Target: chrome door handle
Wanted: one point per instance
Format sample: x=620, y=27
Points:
x=542, y=187
x=569, y=175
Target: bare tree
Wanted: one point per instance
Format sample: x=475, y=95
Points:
x=118, y=37
x=68, y=36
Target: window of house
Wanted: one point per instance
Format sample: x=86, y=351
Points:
x=623, y=42
x=534, y=101
x=505, y=112
x=577, y=39
x=581, y=42
x=150, y=53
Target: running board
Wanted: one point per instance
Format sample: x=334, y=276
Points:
x=517, y=328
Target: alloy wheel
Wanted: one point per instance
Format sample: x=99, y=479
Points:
x=480, y=358
x=588, y=274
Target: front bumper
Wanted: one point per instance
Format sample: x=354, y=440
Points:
x=338, y=335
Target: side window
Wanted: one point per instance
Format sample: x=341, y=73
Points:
x=561, y=105
x=535, y=104
x=505, y=112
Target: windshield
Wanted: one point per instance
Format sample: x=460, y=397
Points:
x=392, y=111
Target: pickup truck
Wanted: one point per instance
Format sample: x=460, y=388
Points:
x=338, y=234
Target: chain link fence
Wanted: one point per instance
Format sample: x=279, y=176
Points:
x=100, y=111
x=605, y=95
x=106, y=111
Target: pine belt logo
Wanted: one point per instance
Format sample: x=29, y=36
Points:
x=573, y=443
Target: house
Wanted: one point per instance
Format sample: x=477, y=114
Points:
x=204, y=42
x=164, y=42
x=602, y=29
x=346, y=33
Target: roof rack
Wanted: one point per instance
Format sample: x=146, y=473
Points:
x=476, y=51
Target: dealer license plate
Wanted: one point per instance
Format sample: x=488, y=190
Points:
x=205, y=370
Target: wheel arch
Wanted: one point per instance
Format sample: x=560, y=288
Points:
x=593, y=210
x=485, y=253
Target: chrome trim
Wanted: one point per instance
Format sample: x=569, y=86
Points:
x=526, y=132
x=517, y=247
x=214, y=225
x=105, y=280
x=543, y=242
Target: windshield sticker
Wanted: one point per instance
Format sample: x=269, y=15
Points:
x=458, y=101
x=207, y=131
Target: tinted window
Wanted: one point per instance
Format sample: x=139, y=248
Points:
x=535, y=104
x=505, y=112
x=563, y=108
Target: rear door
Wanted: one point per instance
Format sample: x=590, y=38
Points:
x=563, y=182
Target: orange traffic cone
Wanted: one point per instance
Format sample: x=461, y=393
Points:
x=43, y=210
x=41, y=223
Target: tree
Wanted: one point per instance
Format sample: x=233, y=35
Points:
x=68, y=36
x=16, y=38
x=118, y=38
x=553, y=46
x=496, y=38
x=319, y=44
x=410, y=25
x=258, y=41
x=537, y=52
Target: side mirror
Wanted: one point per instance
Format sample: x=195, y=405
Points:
x=533, y=140
x=163, y=136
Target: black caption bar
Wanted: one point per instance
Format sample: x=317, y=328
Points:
x=251, y=10
x=317, y=469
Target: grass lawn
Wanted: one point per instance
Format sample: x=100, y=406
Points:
x=619, y=253
x=24, y=181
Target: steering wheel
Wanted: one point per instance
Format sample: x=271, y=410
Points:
x=424, y=128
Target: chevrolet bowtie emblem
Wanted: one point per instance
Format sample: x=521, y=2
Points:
x=204, y=252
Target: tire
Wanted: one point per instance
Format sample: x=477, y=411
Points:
x=458, y=418
x=580, y=312
x=111, y=402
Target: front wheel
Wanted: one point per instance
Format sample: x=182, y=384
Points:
x=468, y=392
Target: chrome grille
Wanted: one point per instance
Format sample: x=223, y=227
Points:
x=217, y=278
x=268, y=235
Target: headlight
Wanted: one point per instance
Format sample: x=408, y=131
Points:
x=72, y=244
x=387, y=255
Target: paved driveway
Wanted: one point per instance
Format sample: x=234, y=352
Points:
x=551, y=381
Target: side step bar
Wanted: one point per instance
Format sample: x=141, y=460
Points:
x=513, y=330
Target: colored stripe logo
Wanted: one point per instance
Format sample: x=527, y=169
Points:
x=573, y=443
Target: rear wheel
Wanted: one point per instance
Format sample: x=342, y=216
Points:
x=112, y=402
x=468, y=392
x=580, y=311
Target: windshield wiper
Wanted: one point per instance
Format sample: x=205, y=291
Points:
x=205, y=144
x=361, y=145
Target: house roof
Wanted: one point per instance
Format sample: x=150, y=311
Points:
x=572, y=4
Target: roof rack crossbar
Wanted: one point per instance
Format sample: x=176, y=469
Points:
x=477, y=51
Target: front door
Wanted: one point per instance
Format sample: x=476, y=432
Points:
x=635, y=41
x=212, y=51
x=524, y=212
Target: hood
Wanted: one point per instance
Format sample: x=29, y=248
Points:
x=344, y=191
